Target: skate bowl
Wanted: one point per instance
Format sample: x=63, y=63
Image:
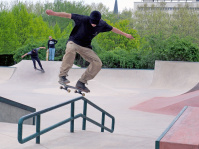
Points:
x=114, y=90
x=176, y=76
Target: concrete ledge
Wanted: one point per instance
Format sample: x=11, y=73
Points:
x=183, y=132
x=11, y=111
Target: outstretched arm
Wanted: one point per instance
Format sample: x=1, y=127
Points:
x=59, y=14
x=117, y=31
x=24, y=55
x=42, y=47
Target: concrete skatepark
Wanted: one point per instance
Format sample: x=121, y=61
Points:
x=143, y=102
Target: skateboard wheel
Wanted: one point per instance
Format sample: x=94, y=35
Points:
x=75, y=91
x=61, y=87
x=83, y=94
x=68, y=90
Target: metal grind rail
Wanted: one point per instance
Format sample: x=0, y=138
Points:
x=71, y=119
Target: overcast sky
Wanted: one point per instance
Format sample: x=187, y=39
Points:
x=122, y=4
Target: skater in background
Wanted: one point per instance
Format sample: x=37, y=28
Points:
x=51, y=48
x=35, y=57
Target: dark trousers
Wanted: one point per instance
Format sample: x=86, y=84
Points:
x=38, y=61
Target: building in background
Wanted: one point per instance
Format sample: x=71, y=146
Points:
x=166, y=5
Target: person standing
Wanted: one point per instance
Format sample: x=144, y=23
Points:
x=35, y=57
x=51, y=48
x=85, y=29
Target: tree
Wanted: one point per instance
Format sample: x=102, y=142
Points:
x=185, y=22
x=8, y=37
x=109, y=40
x=69, y=7
x=22, y=20
x=152, y=21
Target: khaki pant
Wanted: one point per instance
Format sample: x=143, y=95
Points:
x=88, y=54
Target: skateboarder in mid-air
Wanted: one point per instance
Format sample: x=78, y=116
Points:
x=85, y=29
x=34, y=57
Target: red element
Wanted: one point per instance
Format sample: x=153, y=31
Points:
x=169, y=105
x=184, y=133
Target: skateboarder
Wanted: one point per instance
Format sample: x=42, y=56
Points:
x=34, y=57
x=85, y=29
x=51, y=48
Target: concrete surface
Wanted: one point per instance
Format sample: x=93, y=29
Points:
x=114, y=90
x=169, y=105
x=12, y=114
x=182, y=76
x=184, y=133
x=6, y=73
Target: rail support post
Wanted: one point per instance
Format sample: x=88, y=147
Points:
x=72, y=116
x=84, y=113
x=103, y=121
x=38, y=129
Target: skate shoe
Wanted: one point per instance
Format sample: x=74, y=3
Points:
x=82, y=86
x=63, y=80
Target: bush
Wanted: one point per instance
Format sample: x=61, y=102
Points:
x=119, y=58
x=152, y=49
x=181, y=49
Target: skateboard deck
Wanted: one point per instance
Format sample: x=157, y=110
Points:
x=40, y=70
x=68, y=87
x=47, y=53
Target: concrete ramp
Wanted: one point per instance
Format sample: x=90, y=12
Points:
x=119, y=78
x=11, y=111
x=25, y=72
x=176, y=75
x=195, y=88
x=183, y=132
x=169, y=105
x=180, y=76
x=125, y=78
x=6, y=73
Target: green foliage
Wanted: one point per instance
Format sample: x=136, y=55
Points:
x=109, y=40
x=152, y=21
x=39, y=30
x=158, y=34
x=185, y=22
x=154, y=48
x=8, y=36
x=22, y=20
x=181, y=50
x=173, y=48
x=65, y=6
x=118, y=58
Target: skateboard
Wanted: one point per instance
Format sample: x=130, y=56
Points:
x=47, y=53
x=68, y=87
x=40, y=70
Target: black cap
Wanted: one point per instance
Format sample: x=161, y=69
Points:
x=95, y=17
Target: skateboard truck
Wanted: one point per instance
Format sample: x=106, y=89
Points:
x=68, y=90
